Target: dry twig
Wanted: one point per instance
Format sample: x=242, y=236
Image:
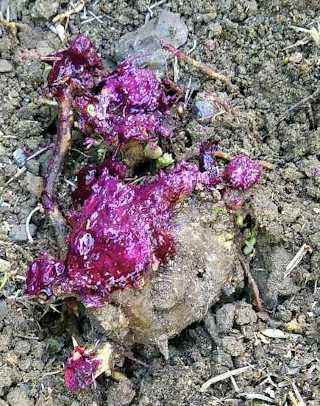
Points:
x=256, y=396
x=297, y=259
x=227, y=157
x=305, y=100
x=73, y=10
x=35, y=210
x=202, y=67
x=223, y=376
x=252, y=283
x=301, y=402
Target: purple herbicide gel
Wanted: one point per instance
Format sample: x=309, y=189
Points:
x=131, y=104
x=121, y=232
x=77, y=68
x=242, y=172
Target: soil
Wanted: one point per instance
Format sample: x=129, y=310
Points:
x=273, y=66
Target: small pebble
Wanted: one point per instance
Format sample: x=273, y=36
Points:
x=22, y=347
x=273, y=333
x=4, y=266
x=5, y=66
x=19, y=157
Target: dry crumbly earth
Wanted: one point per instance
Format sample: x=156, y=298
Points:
x=253, y=42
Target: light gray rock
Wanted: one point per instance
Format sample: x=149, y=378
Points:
x=145, y=43
x=19, y=156
x=245, y=315
x=33, y=184
x=205, y=108
x=45, y=9
x=5, y=66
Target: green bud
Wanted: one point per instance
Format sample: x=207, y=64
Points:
x=91, y=110
x=164, y=161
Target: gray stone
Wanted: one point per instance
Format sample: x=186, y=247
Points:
x=145, y=42
x=22, y=347
x=18, y=232
x=19, y=156
x=19, y=397
x=25, y=364
x=225, y=317
x=5, y=66
x=45, y=9
x=204, y=108
x=245, y=315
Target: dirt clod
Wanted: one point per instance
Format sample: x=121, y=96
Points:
x=19, y=397
x=121, y=394
x=225, y=317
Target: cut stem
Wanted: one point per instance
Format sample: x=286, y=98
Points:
x=62, y=146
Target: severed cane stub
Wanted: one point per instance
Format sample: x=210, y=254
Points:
x=80, y=369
